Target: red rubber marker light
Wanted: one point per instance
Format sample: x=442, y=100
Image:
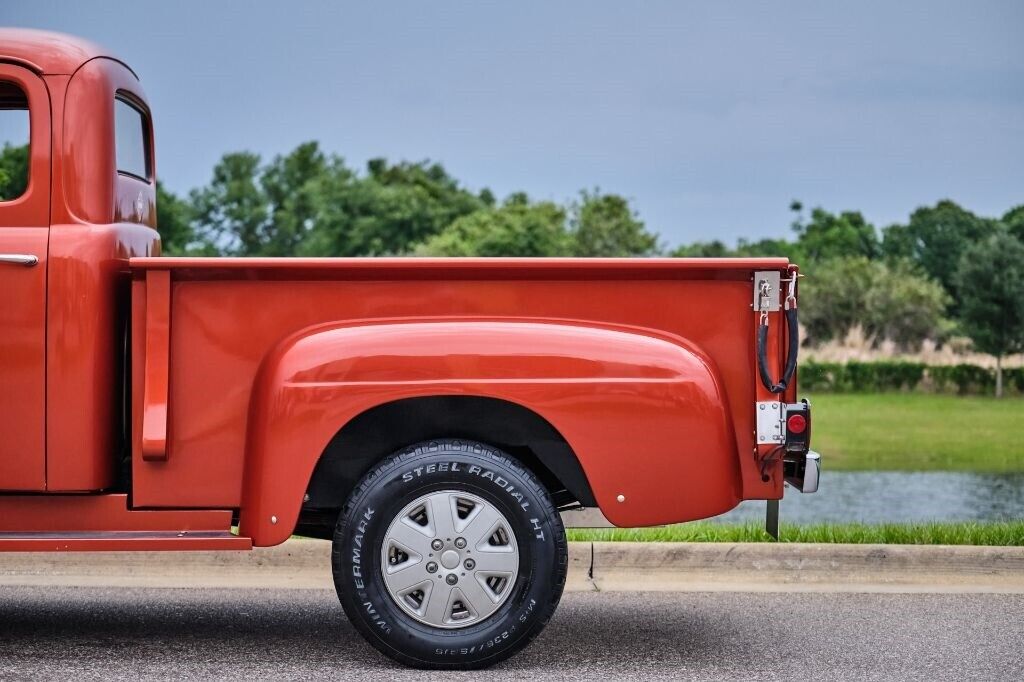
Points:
x=796, y=423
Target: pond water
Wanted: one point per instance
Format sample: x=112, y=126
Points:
x=893, y=497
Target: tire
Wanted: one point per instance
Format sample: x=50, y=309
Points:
x=432, y=626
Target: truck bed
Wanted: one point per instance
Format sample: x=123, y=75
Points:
x=227, y=314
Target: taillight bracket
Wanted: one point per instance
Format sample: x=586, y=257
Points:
x=770, y=425
x=773, y=424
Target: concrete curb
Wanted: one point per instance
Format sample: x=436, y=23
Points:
x=599, y=566
x=806, y=567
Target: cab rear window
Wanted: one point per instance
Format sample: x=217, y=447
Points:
x=131, y=140
x=14, y=140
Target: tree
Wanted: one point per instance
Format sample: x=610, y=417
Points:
x=517, y=228
x=712, y=249
x=232, y=214
x=888, y=300
x=990, y=279
x=1014, y=221
x=605, y=225
x=828, y=235
x=173, y=222
x=290, y=184
x=935, y=238
x=904, y=306
x=833, y=298
x=770, y=248
x=388, y=211
x=13, y=171
x=744, y=249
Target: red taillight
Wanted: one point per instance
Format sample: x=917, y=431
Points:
x=796, y=423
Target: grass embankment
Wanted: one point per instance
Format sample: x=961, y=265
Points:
x=1010, y=533
x=918, y=432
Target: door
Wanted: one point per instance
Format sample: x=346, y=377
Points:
x=24, y=230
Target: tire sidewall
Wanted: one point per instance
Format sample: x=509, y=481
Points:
x=471, y=468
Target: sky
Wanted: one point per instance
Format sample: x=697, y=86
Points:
x=710, y=117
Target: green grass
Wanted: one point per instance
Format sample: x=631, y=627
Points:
x=918, y=432
x=1010, y=533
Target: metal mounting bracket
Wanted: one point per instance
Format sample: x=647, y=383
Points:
x=767, y=302
x=770, y=430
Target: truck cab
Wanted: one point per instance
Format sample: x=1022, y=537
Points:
x=430, y=417
x=87, y=205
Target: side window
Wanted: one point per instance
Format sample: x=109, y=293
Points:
x=14, y=140
x=131, y=140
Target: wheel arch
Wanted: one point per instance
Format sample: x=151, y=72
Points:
x=382, y=430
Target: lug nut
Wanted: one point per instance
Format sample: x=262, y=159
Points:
x=470, y=564
x=460, y=543
x=451, y=579
x=431, y=567
x=437, y=544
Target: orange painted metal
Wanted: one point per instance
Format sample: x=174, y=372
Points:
x=242, y=370
x=99, y=219
x=231, y=317
x=96, y=513
x=46, y=52
x=639, y=407
x=158, y=332
x=35, y=523
x=23, y=230
x=123, y=541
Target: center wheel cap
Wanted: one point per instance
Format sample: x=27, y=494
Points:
x=450, y=559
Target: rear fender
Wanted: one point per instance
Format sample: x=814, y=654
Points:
x=644, y=412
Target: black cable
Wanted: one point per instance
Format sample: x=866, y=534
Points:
x=762, y=353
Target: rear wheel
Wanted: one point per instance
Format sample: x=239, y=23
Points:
x=450, y=554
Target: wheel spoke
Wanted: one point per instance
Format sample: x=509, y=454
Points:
x=504, y=560
x=442, y=515
x=480, y=524
x=411, y=536
x=405, y=576
x=479, y=598
x=438, y=605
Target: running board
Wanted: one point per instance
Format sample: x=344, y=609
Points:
x=120, y=541
x=106, y=523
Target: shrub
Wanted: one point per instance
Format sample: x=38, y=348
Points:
x=966, y=379
x=1014, y=379
x=898, y=375
x=855, y=377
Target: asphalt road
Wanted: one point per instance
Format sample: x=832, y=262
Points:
x=80, y=633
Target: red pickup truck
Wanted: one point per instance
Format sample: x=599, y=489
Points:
x=432, y=417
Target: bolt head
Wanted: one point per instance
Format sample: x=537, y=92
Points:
x=431, y=567
x=470, y=564
x=451, y=579
x=460, y=543
x=621, y=498
x=437, y=544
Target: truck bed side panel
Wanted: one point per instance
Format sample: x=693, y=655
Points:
x=223, y=324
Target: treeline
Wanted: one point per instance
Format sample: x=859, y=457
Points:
x=308, y=203
x=944, y=271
